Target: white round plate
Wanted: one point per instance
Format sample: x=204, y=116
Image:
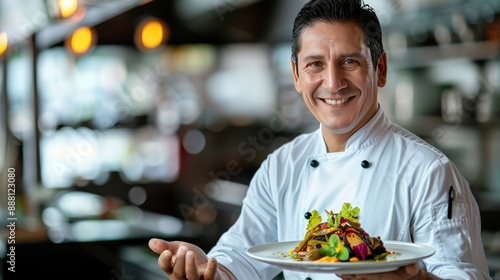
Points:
x=404, y=253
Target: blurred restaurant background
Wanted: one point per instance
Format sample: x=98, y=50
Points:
x=122, y=120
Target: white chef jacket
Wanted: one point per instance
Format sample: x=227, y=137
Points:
x=403, y=195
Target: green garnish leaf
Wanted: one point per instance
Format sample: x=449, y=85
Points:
x=381, y=256
x=337, y=221
x=314, y=220
x=330, y=249
x=329, y=218
x=327, y=251
x=343, y=254
x=334, y=241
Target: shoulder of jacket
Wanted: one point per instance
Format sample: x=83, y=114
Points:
x=415, y=143
x=304, y=141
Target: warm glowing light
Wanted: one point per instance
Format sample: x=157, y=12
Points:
x=67, y=7
x=81, y=41
x=4, y=42
x=150, y=34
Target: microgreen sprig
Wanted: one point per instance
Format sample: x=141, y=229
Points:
x=335, y=248
x=348, y=213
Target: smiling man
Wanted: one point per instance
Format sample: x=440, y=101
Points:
x=337, y=78
x=357, y=155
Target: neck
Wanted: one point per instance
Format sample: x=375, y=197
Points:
x=335, y=142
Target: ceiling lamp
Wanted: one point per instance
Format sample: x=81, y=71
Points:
x=81, y=41
x=150, y=34
x=4, y=43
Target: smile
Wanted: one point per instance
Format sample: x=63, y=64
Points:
x=336, y=102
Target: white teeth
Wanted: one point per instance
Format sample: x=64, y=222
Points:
x=336, y=102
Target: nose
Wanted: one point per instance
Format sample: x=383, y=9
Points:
x=334, y=79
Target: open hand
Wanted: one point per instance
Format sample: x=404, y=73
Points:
x=182, y=260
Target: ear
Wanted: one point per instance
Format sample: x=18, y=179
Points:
x=382, y=69
x=296, y=80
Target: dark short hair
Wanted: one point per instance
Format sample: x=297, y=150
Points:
x=339, y=11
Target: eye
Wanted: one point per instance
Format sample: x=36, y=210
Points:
x=350, y=63
x=315, y=64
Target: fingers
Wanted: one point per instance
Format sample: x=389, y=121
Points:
x=167, y=252
x=211, y=270
x=182, y=260
x=410, y=271
x=179, y=270
x=348, y=277
x=191, y=268
x=185, y=266
x=165, y=261
x=182, y=265
x=159, y=245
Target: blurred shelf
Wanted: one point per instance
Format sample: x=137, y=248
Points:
x=135, y=225
x=426, y=124
x=426, y=56
x=94, y=13
x=129, y=122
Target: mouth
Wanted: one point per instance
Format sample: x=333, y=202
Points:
x=337, y=101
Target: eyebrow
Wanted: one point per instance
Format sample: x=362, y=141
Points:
x=316, y=57
x=353, y=54
x=313, y=57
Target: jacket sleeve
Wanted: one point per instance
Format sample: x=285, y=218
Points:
x=456, y=239
x=256, y=225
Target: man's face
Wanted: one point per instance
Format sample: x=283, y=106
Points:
x=336, y=76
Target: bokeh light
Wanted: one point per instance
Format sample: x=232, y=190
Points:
x=81, y=41
x=67, y=7
x=4, y=43
x=150, y=34
x=194, y=141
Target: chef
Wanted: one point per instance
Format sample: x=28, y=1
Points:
x=406, y=189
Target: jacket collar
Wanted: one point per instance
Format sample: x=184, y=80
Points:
x=370, y=133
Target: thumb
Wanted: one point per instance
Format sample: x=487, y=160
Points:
x=160, y=245
x=412, y=269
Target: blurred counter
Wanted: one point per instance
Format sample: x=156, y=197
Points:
x=91, y=248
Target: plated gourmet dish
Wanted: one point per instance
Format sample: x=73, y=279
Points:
x=338, y=239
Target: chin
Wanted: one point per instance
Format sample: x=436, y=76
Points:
x=335, y=129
